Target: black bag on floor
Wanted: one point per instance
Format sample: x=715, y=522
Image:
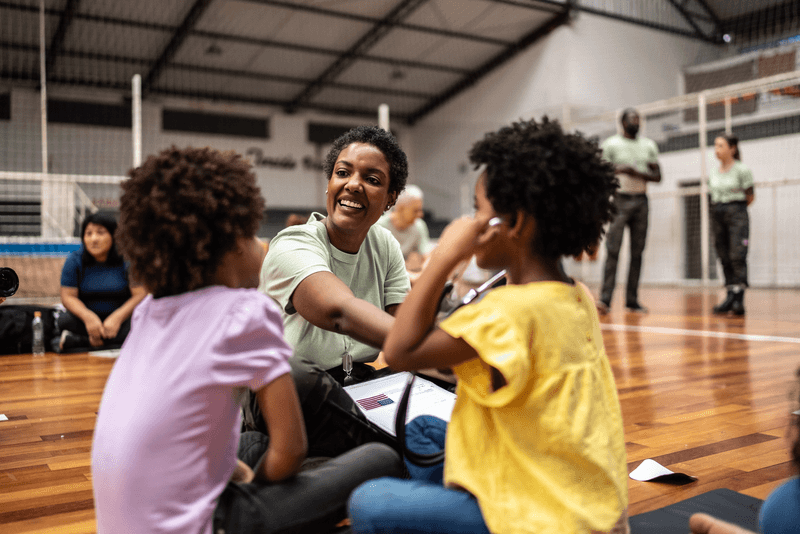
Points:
x=16, y=331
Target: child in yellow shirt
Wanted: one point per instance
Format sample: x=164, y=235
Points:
x=535, y=442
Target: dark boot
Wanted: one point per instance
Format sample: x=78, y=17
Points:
x=725, y=305
x=738, y=302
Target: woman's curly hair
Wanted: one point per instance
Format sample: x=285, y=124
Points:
x=380, y=139
x=558, y=178
x=181, y=211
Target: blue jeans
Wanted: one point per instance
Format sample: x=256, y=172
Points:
x=420, y=505
x=311, y=502
x=393, y=506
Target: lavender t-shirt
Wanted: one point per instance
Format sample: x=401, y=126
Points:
x=168, y=426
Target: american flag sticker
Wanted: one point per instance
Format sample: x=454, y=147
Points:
x=370, y=403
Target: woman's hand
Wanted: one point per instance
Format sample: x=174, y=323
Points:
x=95, y=329
x=111, y=326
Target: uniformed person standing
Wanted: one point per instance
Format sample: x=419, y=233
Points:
x=731, y=188
x=636, y=162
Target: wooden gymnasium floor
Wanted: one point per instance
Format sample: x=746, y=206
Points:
x=704, y=395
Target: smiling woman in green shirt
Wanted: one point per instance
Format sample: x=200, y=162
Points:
x=731, y=188
x=339, y=279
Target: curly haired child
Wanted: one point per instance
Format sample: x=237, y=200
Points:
x=164, y=455
x=535, y=442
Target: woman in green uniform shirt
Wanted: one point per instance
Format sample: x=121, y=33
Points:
x=731, y=189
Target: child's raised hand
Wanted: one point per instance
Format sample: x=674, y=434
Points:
x=463, y=236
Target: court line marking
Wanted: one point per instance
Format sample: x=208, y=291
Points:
x=699, y=333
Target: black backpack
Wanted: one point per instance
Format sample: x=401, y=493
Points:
x=16, y=332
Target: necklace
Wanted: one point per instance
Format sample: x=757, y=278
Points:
x=347, y=361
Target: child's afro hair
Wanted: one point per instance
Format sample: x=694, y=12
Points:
x=558, y=178
x=380, y=139
x=181, y=211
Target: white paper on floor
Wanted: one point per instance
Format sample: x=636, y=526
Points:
x=652, y=471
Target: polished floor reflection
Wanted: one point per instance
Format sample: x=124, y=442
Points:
x=701, y=394
x=707, y=395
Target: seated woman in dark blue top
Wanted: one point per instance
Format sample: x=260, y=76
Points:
x=96, y=291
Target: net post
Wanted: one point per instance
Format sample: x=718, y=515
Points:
x=566, y=117
x=728, y=117
x=136, y=111
x=702, y=133
x=774, y=237
x=383, y=116
x=45, y=194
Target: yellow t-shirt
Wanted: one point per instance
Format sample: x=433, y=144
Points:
x=545, y=452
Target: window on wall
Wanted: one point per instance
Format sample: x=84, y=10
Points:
x=699, y=81
x=5, y=107
x=322, y=134
x=175, y=120
x=89, y=113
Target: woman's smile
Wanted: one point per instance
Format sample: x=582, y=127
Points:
x=358, y=194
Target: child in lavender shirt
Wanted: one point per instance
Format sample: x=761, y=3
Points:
x=164, y=456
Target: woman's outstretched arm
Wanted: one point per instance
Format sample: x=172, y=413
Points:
x=326, y=302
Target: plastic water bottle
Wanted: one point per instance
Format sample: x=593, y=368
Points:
x=38, y=334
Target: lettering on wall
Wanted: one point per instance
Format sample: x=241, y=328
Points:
x=257, y=158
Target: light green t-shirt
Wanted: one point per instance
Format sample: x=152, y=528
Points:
x=729, y=186
x=375, y=274
x=637, y=153
x=415, y=238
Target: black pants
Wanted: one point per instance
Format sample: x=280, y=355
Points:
x=68, y=321
x=731, y=225
x=334, y=423
x=311, y=502
x=633, y=212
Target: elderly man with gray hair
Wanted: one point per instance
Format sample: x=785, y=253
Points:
x=405, y=223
